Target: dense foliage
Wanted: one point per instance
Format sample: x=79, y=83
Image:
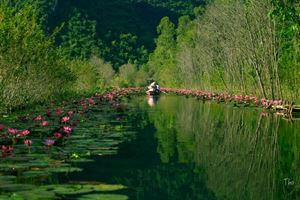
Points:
x=239, y=47
x=287, y=16
x=234, y=46
x=117, y=30
x=32, y=68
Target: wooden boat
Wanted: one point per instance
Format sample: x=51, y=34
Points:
x=152, y=93
x=290, y=111
x=296, y=109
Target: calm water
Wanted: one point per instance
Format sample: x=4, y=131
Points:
x=181, y=148
x=187, y=149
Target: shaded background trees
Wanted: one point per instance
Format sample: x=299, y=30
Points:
x=237, y=47
x=224, y=46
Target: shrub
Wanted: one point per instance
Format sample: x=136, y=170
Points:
x=31, y=68
x=105, y=73
x=126, y=76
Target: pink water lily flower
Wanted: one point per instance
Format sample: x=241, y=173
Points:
x=65, y=119
x=2, y=126
x=91, y=101
x=23, y=133
x=67, y=129
x=48, y=113
x=57, y=135
x=44, y=123
x=37, y=118
x=59, y=111
x=49, y=142
x=84, y=106
x=12, y=131
x=70, y=113
x=73, y=123
x=6, y=150
x=28, y=143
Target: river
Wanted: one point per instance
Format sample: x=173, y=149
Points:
x=173, y=147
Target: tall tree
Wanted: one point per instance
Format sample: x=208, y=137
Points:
x=79, y=39
x=287, y=17
x=123, y=50
x=162, y=62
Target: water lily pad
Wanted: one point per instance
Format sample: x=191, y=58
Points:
x=19, y=158
x=65, y=169
x=37, y=193
x=103, y=197
x=15, y=166
x=80, y=160
x=38, y=163
x=67, y=189
x=32, y=174
x=37, y=155
x=104, y=152
x=106, y=187
x=15, y=197
x=7, y=178
x=16, y=187
x=4, y=197
x=72, y=189
x=4, y=180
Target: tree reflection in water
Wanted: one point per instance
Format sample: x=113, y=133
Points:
x=244, y=154
x=188, y=149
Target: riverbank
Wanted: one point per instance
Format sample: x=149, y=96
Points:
x=281, y=107
x=36, y=148
x=63, y=120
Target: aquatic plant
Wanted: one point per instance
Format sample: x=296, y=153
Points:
x=23, y=133
x=223, y=97
x=49, y=142
x=65, y=119
x=11, y=136
x=28, y=143
x=44, y=123
x=38, y=118
x=67, y=129
x=59, y=111
x=6, y=150
x=57, y=135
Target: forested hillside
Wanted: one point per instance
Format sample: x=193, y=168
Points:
x=118, y=30
x=88, y=45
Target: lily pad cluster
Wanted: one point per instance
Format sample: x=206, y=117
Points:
x=78, y=191
x=55, y=126
x=223, y=97
x=37, y=146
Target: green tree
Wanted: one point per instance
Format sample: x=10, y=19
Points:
x=162, y=62
x=43, y=8
x=32, y=69
x=127, y=75
x=185, y=32
x=125, y=49
x=79, y=39
x=287, y=16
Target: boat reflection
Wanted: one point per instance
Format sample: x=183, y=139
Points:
x=152, y=100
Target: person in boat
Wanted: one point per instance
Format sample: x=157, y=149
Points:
x=153, y=88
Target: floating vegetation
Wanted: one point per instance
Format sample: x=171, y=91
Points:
x=103, y=197
x=36, y=146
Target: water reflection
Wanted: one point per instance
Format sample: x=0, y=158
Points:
x=244, y=154
x=152, y=100
x=187, y=149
